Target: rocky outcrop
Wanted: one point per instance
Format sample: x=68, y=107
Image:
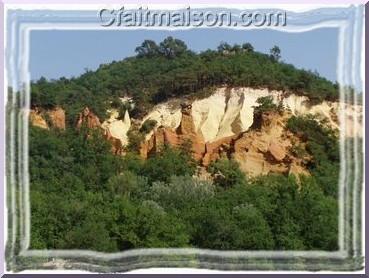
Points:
x=265, y=151
x=229, y=111
x=258, y=151
x=88, y=119
x=116, y=129
x=57, y=118
x=46, y=119
x=116, y=144
x=221, y=125
x=183, y=134
x=37, y=119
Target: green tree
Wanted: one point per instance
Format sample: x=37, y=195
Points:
x=226, y=173
x=147, y=49
x=167, y=163
x=171, y=47
x=275, y=53
x=247, y=47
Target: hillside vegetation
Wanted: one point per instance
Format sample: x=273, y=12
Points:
x=169, y=69
x=85, y=197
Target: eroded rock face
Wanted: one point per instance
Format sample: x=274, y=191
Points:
x=277, y=151
x=183, y=134
x=229, y=111
x=116, y=129
x=37, y=119
x=88, y=119
x=265, y=151
x=57, y=118
x=258, y=151
x=221, y=125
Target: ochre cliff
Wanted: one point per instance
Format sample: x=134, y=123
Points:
x=229, y=111
x=220, y=125
x=36, y=118
x=57, y=117
x=87, y=119
x=262, y=151
x=50, y=118
x=184, y=133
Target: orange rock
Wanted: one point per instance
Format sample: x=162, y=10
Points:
x=185, y=132
x=88, y=118
x=37, y=119
x=259, y=151
x=116, y=144
x=170, y=137
x=277, y=151
x=57, y=118
x=213, y=149
x=186, y=126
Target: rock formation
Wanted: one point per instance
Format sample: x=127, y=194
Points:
x=37, y=119
x=264, y=151
x=228, y=112
x=116, y=130
x=258, y=151
x=184, y=133
x=88, y=119
x=57, y=117
x=50, y=118
x=221, y=125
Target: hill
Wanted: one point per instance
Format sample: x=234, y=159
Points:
x=160, y=72
x=228, y=149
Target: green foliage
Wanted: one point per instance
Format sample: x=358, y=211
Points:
x=84, y=197
x=159, y=72
x=146, y=225
x=275, y=53
x=127, y=184
x=167, y=163
x=298, y=151
x=148, y=48
x=135, y=138
x=322, y=144
x=248, y=47
x=147, y=126
x=266, y=104
x=226, y=173
x=181, y=192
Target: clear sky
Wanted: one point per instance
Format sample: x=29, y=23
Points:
x=68, y=53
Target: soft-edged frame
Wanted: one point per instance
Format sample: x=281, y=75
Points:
x=21, y=22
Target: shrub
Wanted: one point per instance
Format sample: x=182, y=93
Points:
x=167, y=163
x=226, y=173
x=147, y=126
x=181, y=191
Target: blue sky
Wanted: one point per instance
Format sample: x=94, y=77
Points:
x=57, y=53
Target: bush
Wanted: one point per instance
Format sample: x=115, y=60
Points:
x=135, y=138
x=167, y=163
x=181, y=192
x=226, y=173
x=147, y=226
x=147, y=126
x=127, y=184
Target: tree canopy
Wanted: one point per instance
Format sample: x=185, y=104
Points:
x=169, y=69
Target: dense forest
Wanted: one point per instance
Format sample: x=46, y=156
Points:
x=84, y=197
x=159, y=72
